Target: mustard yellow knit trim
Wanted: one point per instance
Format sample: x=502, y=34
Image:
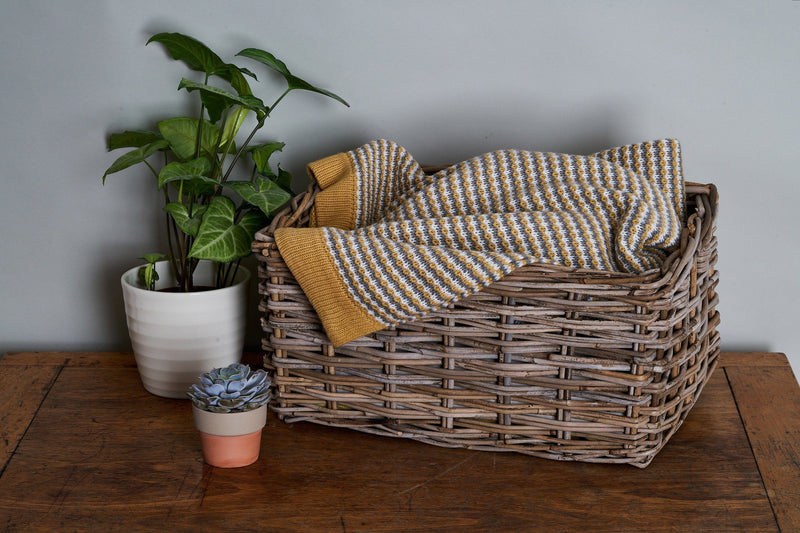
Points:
x=335, y=205
x=308, y=257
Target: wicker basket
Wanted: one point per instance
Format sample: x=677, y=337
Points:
x=549, y=361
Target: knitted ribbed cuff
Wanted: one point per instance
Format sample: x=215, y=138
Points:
x=335, y=205
x=307, y=256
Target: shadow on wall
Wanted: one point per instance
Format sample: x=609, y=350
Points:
x=442, y=132
x=111, y=314
x=746, y=347
x=438, y=130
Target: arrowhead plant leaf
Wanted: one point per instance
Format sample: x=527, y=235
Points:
x=191, y=170
x=264, y=194
x=267, y=59
x=218, y=100
x=135, y=156
x=297, y=83
x=132, y=139
x=232, y=125
x=195, y=54
x=235, y=76
x=279, y=66
x=189, y=223
x=252, y=221
x=284, y=179
x=262, y=153
x=219, y=237
x=147, y=274
x=181, y=133
x=152, y=258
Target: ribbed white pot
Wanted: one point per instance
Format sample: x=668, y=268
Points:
x=177, y=336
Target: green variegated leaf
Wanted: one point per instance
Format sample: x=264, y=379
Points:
x=261, y=154
x=132, y=139
x=191, y=170
x=276, y=64
x=264, y=193
x=200, y=186
x=252, y=221
x=219, y=237
x=181, y=133
x=189, y=223
x=135, y=156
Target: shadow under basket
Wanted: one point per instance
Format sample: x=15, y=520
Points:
x=550, y=361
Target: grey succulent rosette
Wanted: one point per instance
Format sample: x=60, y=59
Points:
x=232, y=389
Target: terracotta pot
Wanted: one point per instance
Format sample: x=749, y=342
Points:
x=177, y=336
x=230, y=440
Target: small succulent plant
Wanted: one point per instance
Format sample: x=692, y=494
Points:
x=231, y=389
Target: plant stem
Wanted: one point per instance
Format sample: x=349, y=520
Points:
x=151, y=168
x=230, y=275
x=276, y=102
x=172, y=229
x=183, y=273
x=218, y=162
x=197, y=143
x=242, y=147
x=171, y=246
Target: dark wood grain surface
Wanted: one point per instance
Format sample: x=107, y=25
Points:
x=86, y=448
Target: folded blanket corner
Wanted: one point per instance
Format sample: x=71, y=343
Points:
x=336, y=174
x=306, y=255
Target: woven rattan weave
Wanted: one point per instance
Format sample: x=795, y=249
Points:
x=550, y=361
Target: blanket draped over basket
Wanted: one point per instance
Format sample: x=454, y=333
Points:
x=389, y=243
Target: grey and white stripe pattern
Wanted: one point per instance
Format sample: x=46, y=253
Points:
x=423, y=241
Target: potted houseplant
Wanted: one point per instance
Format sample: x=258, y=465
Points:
x=218, y=189
x=230, y=409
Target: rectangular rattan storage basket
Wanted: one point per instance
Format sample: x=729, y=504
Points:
x=549, y=361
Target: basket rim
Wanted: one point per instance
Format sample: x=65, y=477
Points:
x=653, y=284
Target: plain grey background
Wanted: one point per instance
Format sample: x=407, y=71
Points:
x=448, y=80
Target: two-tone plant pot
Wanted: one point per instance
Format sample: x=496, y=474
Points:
x=177, y=336
x=230, y=440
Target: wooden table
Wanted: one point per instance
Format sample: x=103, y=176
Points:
x=83, y=447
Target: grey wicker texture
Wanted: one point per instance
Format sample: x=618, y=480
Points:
x=550, y=361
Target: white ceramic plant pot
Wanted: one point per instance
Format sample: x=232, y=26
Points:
x=178, y=336
x=230, y=440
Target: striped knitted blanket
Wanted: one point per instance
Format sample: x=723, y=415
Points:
x=389, y=243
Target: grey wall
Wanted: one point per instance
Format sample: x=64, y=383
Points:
x=446, y=79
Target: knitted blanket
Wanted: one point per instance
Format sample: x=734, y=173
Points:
x=389, y=243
